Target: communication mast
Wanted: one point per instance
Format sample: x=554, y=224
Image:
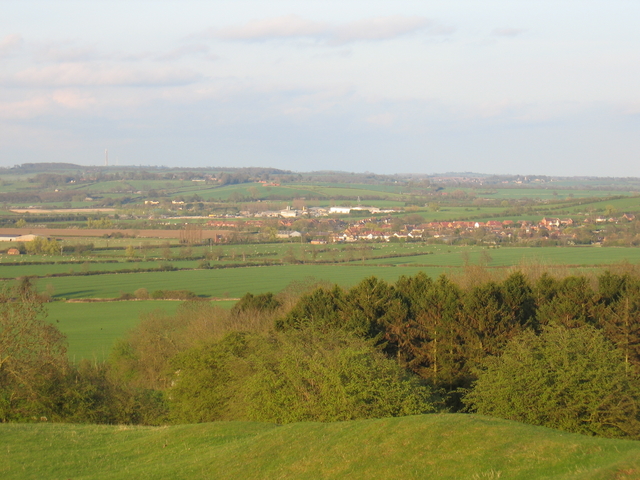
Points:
x=106, y=157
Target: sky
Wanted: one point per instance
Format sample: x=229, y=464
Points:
x=492, y=86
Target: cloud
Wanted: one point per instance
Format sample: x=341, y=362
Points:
x=10, y=43
x=288, y=26
x=67, y=52
x=380, y=28
x=53, y=53
x=73, y=74
x=181, y=52
x=382, y=119
x=507, y=32
x=24, y=109
x=73, y=99
x=292, y=26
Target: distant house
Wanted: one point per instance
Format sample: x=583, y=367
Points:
x=18, y=238
x=494, y=224
x=288, y=212
x=9, y=238
x=13, y=251
x=342, y=210
x=288, y=234
x=369, y=209
x=550, y=222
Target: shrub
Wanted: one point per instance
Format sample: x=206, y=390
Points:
x=297, y=376
x=570, y=379
x=141, y=293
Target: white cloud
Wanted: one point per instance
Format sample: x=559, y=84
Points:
x=184, y=51
x=10, y=43
x=381, y=28
x=72, y=74
x=24, y=109
x=288, y=26
x=507, y=32
x=43, y=104
x=382, y=119
x=58, y=54
x=73, y=99
x=293, y=26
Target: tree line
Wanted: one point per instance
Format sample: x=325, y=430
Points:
x=562, y=352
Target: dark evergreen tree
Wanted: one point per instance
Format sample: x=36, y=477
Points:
x=571, y=305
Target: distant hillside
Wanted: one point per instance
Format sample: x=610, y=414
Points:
x=44, y=167
x=448, y=446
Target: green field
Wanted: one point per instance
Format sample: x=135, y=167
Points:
x=18, y=270
x=235, y=282
x=222, y=283
x=550, y=192
x=374, y=254
x=455, y=256
x=445, y=446
x=92, y=328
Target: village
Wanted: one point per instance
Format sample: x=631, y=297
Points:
x=305, y=225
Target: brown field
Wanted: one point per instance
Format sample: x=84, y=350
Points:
x=62, y=210
x=99, y=232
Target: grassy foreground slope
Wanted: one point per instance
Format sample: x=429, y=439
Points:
x=447, y=446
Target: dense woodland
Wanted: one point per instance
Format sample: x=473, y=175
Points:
x=562, y=352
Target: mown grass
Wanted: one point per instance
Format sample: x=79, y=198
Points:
x=447, y=446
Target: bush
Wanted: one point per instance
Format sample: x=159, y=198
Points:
x=297, y=376
x=570, y=379
x=141, y=293
x=263, y=302
x=173, y=295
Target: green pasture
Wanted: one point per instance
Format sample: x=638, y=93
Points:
x=623, y=205
x=135, y=185
x=8, y=271
x=549, y=192
x=293, y=191
x=221, y=283
x=457, y=256
x=355, y=262
x=437, y=446
x=395, y=189
x=624, y=184
x=13, y=184
x=250, y=190
x=235, y=282
x=447, y=213
x=354, y=193
x=93, y=328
